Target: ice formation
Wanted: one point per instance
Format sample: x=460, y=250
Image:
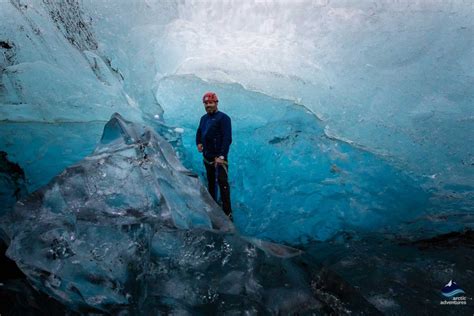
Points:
x=349, y=117
x=129, y=228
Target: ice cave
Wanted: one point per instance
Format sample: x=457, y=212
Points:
x=351, y=167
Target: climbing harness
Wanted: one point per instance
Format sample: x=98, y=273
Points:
x=224, y=165
x=216, y=175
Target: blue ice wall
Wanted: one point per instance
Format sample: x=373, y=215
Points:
x=57, y=90
x=46, y=149
x=290, y=181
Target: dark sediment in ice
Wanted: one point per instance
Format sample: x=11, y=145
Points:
x=398, y=274
x=445, y=241
x=12, y=183
x=17, y=296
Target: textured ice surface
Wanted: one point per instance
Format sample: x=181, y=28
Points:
x=392, y=273
x=56, y=89
x=50, y=70
x=45, y=149
x=392, y=76
x=130, y=228
x=389, y=78
x=290, y=181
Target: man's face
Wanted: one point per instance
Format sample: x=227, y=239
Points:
x=211, y=106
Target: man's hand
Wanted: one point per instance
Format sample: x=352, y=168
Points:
x=218, y=161
x=199, y=148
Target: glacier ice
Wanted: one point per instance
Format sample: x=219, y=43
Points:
x=366, y=69
x=391, y=76
x=281, y=150
x=45, y=149
x=388, y=77
x=50, y=77
x=56, y=92
x=129, y=228
x=352, y=117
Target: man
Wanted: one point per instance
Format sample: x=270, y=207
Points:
x=213, y=139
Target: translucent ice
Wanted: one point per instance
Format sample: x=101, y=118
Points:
x=389, y=78
x=388, y=75
x=56, y=90
x=348, y=116
x=129, y=228
x=291, y=180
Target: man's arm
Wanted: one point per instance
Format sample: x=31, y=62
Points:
x=226, y=127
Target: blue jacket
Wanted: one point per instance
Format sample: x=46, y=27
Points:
x=215, y=134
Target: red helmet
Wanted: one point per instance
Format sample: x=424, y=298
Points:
x=210, y=96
